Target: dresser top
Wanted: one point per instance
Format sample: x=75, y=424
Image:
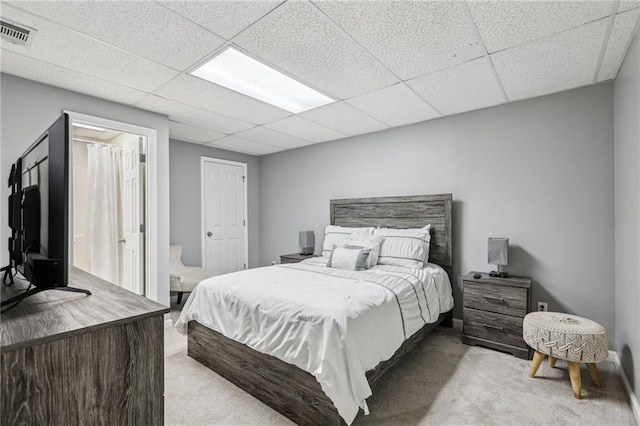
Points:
x=53, y=314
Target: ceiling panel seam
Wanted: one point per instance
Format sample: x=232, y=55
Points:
x=423, y=98
x=258, y=20
x=106, y=43
x=364, y=49
x=605, y=41
x=467, y=12
x=634, y=34
x=82, y=73
x=194, y=107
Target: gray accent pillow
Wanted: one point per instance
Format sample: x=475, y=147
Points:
x=351, y=258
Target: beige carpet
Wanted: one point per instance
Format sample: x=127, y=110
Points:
x=441, y=382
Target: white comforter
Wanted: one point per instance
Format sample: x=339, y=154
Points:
x=332, y=323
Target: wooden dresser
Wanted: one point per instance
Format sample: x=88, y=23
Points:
x=68, y=358
x=295, y=257
x=494, y=309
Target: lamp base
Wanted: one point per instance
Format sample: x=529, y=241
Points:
x=499, y=274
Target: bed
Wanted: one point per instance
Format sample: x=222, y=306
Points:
x=286, y=386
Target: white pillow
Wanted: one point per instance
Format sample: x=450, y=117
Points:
x=339, y=236
x=368, y=242
x=352, y=259
x=404, y=247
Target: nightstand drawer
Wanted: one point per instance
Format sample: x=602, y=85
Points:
x=495, y=327
x=496, y=298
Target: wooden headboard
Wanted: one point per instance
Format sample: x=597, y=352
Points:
x=402, y=212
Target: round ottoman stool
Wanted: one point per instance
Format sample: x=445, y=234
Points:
x=569, y=337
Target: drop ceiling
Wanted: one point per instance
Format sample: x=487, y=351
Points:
x=386, y=63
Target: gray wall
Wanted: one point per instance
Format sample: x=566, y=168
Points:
x=184, y=163
x=627, y=214
x=28, y=108
x=539, y=172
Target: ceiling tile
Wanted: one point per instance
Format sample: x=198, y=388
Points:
x=193, y=116
x=142, y=27
x=394, y=105
x=236, y=144
x=560, y=62
x=619, y=40
x=225, y=18
x=305, y=129
x=412, y=38
x=53, y=75
x=69, y=49
x=628, y=4
x=299, y=40
x=271, y=137
x=211, y=97
x=344, y=118
x=192, y=134
x=503, y=24
x=465, y=87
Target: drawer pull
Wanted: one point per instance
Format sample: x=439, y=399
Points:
x=495, y=299
x=493, y=327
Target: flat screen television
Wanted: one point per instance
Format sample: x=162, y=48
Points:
x=39, y=211
x=45, y=212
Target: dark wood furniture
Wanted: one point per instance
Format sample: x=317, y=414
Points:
x=289, y=390
x=494, y=309
x=295, y=257
x=68, y=358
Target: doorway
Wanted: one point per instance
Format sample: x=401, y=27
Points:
x=224, y=215
x=108, y=204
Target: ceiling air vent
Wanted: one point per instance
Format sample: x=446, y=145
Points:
x=15, y=33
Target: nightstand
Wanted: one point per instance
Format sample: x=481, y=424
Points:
x=494, y=309
x=295, y=257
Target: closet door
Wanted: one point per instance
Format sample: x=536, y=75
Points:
x=224, y=217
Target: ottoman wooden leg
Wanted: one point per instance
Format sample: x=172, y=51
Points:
x=552, y=361
x=574, y=375
x=537, y=360
x=593, y=372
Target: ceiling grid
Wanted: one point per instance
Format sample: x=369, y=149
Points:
x=386, y=63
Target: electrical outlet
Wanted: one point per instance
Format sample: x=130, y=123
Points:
x=542, y=306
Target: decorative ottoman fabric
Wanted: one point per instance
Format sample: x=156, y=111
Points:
x=566, y=336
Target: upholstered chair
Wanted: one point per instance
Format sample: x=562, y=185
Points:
x=183, y=279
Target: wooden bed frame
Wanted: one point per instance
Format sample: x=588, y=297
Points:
x=286, y=388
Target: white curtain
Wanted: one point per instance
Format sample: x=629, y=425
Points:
x=104, y=227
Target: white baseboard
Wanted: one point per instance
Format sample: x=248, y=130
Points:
x=633, y=399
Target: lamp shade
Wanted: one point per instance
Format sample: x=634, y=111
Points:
x=307, y=242
x=498, y=251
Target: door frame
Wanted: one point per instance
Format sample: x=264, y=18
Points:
x=150, y=189
x=204, y=160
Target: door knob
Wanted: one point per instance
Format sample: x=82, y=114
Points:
x=123, y=240
x=209, y=234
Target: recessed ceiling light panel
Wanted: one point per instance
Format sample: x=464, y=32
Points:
x=237, y=71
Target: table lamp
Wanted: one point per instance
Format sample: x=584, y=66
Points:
x=498, y=251
x=306, y=241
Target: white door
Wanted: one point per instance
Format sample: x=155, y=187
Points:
x=132, y=214
x=223, y=216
